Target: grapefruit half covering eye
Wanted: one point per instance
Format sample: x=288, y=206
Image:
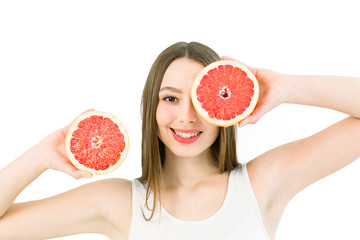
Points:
x=225, y=92
x=97, y=142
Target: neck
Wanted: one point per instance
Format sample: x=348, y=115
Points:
x=188, y=171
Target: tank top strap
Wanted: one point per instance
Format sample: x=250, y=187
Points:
x=139, y=207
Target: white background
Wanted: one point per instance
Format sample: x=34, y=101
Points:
x=59, y=58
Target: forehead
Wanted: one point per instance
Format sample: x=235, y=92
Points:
x=181, y=71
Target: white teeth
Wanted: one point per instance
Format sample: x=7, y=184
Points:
x=186, y=135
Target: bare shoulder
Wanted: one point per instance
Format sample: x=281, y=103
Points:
x=116, y=202
x=113, y=186
x=113, y=197
x=102, y=207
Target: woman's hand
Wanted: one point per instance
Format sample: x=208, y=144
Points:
x=273, y=91
x=52, y=154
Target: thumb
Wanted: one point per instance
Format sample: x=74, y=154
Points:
x=259, y=111
x=76, y=173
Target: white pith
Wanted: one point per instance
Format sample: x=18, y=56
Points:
x=96, y=142
x=186, y=135
x=225, y=90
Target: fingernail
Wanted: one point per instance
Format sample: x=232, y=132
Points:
x=86, y=174
x=243, y=123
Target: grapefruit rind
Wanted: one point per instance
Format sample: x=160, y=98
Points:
x=238, y=118
x=74, y=126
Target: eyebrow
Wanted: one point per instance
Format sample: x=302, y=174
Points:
x=172, y=89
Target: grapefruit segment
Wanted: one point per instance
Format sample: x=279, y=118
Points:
x=225, y=92
x=97, y=142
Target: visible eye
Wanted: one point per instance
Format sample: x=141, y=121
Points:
x=170, y=99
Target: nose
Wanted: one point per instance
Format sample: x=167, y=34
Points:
x=188, y=113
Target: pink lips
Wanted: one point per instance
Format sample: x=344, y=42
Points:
x=185, y=140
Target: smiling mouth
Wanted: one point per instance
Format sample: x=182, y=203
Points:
x=186, y=135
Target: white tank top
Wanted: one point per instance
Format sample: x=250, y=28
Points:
x=238, y=217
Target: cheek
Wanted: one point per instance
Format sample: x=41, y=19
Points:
x=164, y=115
x=215, y=132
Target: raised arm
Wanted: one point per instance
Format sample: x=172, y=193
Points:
x=48, y=154
x=281, y=173
x=98, y=207
x=331, y=149
x=338, y=93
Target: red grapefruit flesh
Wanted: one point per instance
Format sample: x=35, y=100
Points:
x=225, y=92
x=97, y=142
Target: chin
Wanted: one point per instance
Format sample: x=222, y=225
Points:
x=187, y=152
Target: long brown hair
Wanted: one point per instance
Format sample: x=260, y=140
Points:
x=153, y=150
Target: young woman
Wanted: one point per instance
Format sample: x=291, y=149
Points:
x=192, y=186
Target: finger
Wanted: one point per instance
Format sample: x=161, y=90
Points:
x=249, y=120
x=76, y=173
x=259, y=111
x=252, y=69
x=244, y=122
x=85, y=174
x=228, y=58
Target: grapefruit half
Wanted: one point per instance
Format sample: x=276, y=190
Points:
x=225, y=92
x=97, y=142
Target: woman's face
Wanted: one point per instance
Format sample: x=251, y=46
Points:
x=183, y=131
